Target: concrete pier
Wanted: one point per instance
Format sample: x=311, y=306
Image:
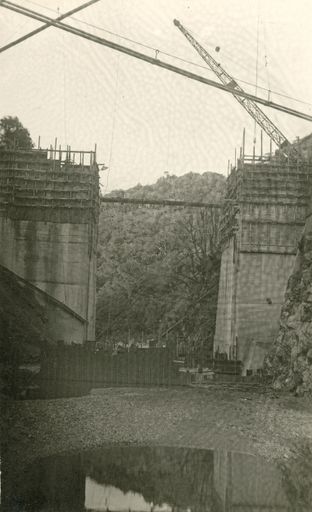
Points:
x=49, y=205
x=260, y=231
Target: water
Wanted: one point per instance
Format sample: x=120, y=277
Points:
x=146, y=479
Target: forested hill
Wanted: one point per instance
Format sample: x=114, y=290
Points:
x=189, y=187
x=158, y=267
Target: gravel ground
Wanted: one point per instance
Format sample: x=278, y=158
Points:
x=255, y=421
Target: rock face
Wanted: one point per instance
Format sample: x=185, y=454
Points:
x=289, y=362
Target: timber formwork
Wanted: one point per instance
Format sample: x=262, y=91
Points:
x=262, y=197
x=57, y=184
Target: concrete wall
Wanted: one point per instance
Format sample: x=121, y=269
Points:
x=251, y=292
x=49, y=255
x=60, y=322
x=48, y=232
x=261, y=286
x=224, y=335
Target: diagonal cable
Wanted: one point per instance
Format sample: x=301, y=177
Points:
x=46, y=25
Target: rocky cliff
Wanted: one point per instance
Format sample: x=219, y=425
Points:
x=290, y=361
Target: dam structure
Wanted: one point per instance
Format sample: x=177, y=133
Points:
x=262, y=222
x=49, y=207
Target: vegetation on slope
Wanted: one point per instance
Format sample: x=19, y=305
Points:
x=289, y=362
x=158, y=267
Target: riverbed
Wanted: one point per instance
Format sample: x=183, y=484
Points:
x=257, y=421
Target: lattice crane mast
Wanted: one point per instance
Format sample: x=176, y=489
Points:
x=252, y=108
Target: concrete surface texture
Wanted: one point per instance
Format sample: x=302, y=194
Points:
x=260, y=238
x=48, y=228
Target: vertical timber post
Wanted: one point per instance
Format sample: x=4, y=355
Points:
x=243, y=148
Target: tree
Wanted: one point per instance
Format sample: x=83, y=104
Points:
x=13, y=134
x=158, y=268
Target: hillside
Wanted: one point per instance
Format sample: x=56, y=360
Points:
x=192, y=186
x=158, y=267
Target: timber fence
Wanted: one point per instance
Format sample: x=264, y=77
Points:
x=75, y=370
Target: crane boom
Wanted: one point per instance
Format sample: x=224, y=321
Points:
x=252, y=108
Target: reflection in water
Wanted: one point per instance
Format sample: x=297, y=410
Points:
x=107, y=497
x=146, y=480
x=181, y=478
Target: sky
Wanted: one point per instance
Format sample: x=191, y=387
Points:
x=145, y=120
